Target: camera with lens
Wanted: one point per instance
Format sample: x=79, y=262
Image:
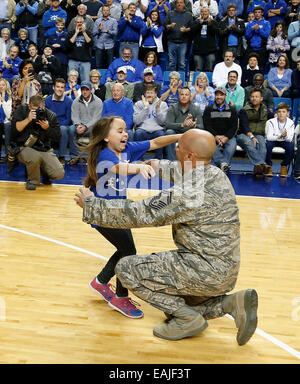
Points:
x=40, y=114
x=12, y=161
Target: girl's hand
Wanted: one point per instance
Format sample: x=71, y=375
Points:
x=146, y=171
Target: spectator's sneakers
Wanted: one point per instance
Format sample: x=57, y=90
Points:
x=258, y=169
x=46, y=179
x=297, y=175
x=126, y=306
x=104, y=290
x=283, y=171
x=268, y=171
x=30, y=186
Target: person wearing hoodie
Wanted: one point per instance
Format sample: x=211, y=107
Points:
x=50, y=16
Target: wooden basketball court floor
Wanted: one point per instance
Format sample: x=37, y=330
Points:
x=48, y=314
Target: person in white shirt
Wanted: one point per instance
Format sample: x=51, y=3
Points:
x=280, y=133
x=212, y=5
x=221, y=70
x=149, y=117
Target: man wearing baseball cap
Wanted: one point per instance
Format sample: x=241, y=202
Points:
x=86, y=110
x=221, y=120
x=139, y=88
x=121, y=79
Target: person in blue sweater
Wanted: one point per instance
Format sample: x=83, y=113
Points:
x=130, y=28
x=279, y=78
x=275, y=10
x=61, y=105
x=152, y=41
x=257, y=33
x=11, y=64
x=134, y=67
x=121, y=106
x=50, y=16
x=223, y=4
x=58, y=43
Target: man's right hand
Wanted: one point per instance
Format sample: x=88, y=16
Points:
x=80, y=129
x=32, y=115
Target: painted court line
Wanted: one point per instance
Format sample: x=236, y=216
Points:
x=260, y=332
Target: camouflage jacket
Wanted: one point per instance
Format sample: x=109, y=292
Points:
x=201, y=207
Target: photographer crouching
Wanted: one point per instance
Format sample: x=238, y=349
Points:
x=33, y=129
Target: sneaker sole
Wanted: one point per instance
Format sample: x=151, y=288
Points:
x=188, y=334
x=250, y=304
x=125, y=314
x=95, y=290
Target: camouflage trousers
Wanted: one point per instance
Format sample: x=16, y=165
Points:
x=170, y=280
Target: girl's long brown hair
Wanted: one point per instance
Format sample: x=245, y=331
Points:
x=96, y=144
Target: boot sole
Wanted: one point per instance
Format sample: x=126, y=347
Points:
x=188, y=334
x=250, y=304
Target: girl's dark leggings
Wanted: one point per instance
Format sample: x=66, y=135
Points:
x=122, y=239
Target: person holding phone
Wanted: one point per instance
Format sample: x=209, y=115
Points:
x=26, y=86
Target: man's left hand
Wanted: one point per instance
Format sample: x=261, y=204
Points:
x=80, y=197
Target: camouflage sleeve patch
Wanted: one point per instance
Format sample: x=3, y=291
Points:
x=160, y=201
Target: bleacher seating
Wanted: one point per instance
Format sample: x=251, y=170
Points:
x=278, y=100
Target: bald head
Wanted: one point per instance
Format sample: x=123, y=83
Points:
x=198, y=143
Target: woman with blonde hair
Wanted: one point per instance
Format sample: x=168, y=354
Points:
x=98, y=89
x=202, y=93
x=5, y=112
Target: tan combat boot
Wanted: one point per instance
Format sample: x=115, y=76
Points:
x=242, y=306
x=186, y=322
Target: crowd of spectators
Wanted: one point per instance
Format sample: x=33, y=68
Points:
x=95, y=58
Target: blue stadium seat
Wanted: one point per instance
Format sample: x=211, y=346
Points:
x=166, y=79
x=103, y=73
x=278, y=100
x=295, y=112
x=208, y=74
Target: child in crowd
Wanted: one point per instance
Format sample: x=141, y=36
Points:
x=280, y=133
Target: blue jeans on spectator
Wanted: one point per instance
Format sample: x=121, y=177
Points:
x=170, y=149
x=257, y=154
x=130, y=134
x=32, y=34
x=176, y=56
x=224, y=154
x=82, y=67
x=67, y=138
x=134, y=48
x=142, y=135
x=104, y=57
x=204, y=62
x=288, y=148
x=297, y=158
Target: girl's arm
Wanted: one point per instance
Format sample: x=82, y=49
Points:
x=132, y=169
x=162, y=141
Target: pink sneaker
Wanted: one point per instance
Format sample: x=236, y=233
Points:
x=103, y=289
x=126, y=306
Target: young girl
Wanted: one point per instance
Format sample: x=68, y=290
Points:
x=110, y=163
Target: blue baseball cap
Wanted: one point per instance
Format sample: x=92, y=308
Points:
x=86, y=84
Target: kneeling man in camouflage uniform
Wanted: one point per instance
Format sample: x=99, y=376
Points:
x=188, y=284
